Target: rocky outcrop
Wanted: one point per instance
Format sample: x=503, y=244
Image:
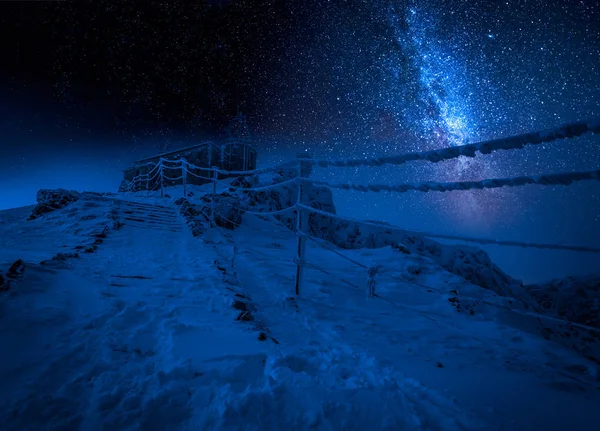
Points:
x=52, y=200
x=227, y=212
x=14, y=272
x=576, y=299
x=195, y=219
x=227, y=209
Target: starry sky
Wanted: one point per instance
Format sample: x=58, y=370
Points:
x=87, y=87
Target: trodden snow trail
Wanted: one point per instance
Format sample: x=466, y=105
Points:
x=477, y=361
x=121, y=338
x=343, y=387
x=140, y=334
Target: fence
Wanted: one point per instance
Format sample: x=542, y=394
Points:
x=302, y=166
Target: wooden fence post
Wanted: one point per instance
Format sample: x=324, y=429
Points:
x=301, y=219
x=214, y=196
x=371, y=273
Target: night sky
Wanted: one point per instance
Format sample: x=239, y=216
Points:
x=87, y=87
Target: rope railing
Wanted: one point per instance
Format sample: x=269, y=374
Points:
x=571, y=130
x=483, y=241
x=559, y=179
x=261, y=188
x=155, y=179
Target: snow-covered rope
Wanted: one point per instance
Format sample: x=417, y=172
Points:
x=198, y=176
x=242, y=173
x=256, y=171
x=571, y=130
x=560, y=179
x=262, y=213
x=266, y=213
x=327, y=273
x=322, y=244
x=258, y=189
x=163, y=161
x=453, y=237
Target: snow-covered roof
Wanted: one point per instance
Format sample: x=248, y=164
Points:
x=193, y=147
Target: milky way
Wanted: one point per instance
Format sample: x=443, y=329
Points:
x=338, y=79
x=467, y=71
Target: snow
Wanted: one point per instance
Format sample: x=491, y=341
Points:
x=140, y=333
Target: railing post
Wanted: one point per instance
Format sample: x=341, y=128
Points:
x=214, y=196
x=301, y=221
x=371, y=273
x=184, y=177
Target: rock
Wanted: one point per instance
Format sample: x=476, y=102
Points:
x=16, y=269
x=245, y=316
x=576, y=299
x=400, y=248
x=3, y=284
x=243, y=182
x=227, y=209
x=102, y=234
x=239, y=305
x=52, y=200
x=65, y=256
x=195, y=219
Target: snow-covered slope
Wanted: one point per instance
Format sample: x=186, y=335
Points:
x=470, y=263
x=155, y=328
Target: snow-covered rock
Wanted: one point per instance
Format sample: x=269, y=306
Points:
x=14, y=272
x=196, y=220
x=52, y=200
x=574, y=299
x=227, y=211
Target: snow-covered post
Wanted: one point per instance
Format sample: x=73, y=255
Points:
x=214, y=196
x=371, y=273
x=301, y=219
x=184, y=176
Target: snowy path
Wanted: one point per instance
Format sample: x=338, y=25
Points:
x=141, y=335
x=100, y=351
x=349, y=387
x=489, y=367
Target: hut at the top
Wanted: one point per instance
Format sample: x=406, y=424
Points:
x=235, y=153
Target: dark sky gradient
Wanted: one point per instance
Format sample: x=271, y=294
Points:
x=87, y=87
